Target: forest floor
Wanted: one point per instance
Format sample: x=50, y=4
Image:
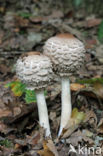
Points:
x=26, y=29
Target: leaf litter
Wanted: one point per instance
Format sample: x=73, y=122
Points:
x=25, y=30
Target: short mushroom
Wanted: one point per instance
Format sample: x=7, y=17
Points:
x=67, y=55
x=35, y=70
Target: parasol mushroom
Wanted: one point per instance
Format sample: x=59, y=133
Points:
x=35, y=70
x=67, y=55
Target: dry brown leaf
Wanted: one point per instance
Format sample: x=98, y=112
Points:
x=96, y=91
x=98, y=88
x=100, y=126
x=37, y=19
x=56, y=89
x=16, y=111
x=5, y=112
x=52, y=116
x=21, y=22
x=90, y=43
x=4, y=128
x=17, y=146
x=72, y=126
x=79, y=136
x=51, y=146
x=91, y=117
x=4, y=69
x=49, y=149
x=6, y=151
x=5, y=96
x=76, y=118
x=76, y=86
x=93, y=22
x=34, y=139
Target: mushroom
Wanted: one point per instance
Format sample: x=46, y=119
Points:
x=35, y=70
x=67, y=55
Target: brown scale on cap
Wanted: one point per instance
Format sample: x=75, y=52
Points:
x=30, y=53
x=65, y=35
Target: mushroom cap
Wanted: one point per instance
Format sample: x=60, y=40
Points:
x=66, y=52
x=34, y=70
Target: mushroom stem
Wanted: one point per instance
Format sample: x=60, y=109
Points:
x=43, y=113
x=66, y=103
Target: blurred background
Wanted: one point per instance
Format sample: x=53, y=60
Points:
x=25, y=25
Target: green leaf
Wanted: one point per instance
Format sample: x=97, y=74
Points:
x=100, y=32
x=8, y=85
x=24, y=14
x=17, y=87
x=91, y=81
x=6, y=143
x=30, y=96
x=78, y=116
x=45, y=93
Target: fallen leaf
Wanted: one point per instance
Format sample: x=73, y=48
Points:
x=98, y=88
x=90, y=43
x=17, y=146
x=52, y=116
x=76, y=86
x=16, y=111
x=94, y=88
x=2, y=126
x=4, y=69
x=6, y=97
x=90, y=117
x=37, y=19
x=79, y=136
x=21, y=22
x=93, y=22
x=5, y=112
x=34, y=139
x=17, y=87
x=76, y=118
x=48, y=149
x=5, y=129
x=55, y=89
x=100, y=126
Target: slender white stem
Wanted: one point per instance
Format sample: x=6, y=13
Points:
x=43, y=113
x=66, y=104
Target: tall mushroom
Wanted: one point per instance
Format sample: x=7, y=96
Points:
x=35, y=70
x=67, y=55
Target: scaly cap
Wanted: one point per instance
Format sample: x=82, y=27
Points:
x=66, y=53
x=35, y=70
